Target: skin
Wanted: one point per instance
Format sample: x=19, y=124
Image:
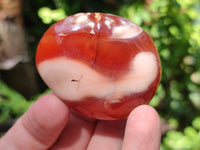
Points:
x=49, y=124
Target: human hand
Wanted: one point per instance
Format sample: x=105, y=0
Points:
x=49, y=124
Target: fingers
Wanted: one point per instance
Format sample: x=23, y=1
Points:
x=108, y=135
x=39, y=127
x=76, y=134
x=143, y=129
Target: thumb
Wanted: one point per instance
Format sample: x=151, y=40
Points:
x=143, y=130
x=39, y=127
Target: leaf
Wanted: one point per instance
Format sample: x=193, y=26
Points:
x=196, y=123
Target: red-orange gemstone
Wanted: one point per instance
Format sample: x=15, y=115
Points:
x=102, y=65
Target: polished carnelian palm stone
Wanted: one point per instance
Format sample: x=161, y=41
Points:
x=101, y=65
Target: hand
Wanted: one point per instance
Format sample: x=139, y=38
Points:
x=49, y=124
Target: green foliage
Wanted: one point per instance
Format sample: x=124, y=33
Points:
x=159, y=96
x=12, y=104
x=186, y=140
x=48, y=16
x=136, y=13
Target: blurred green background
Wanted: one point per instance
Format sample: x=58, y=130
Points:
x=174, y=26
